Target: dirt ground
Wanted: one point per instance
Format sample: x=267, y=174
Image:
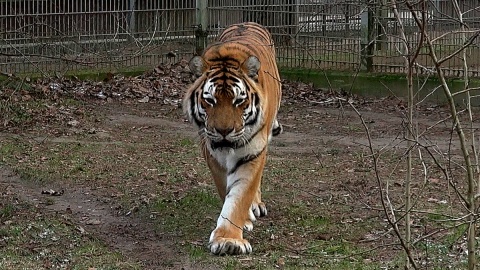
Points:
x=125, y=173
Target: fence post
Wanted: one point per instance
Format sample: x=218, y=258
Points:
x=367, y=42
x=201, y=33
x=382, y=39
x=131, y=21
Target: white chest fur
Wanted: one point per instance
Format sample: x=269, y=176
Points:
x=228, y=157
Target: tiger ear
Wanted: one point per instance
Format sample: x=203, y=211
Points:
x=198, y=66
x=251, y=66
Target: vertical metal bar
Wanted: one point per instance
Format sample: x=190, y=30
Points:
x=83, y=25
x=15, y=26
x=90, y=30
x=366, y=33
x=45, y=36
x=202, y=21
x=91, y=26
x=78, y=19
x=66, y=21
x=106, y=19
x=131, y=21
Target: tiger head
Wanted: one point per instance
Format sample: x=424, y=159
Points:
x=223, y=102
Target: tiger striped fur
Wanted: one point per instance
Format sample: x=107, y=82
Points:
x=234, y=103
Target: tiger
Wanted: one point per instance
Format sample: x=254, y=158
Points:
x=234, y=102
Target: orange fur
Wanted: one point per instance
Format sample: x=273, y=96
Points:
x=234, y=103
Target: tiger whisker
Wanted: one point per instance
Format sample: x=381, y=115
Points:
x=246, y=142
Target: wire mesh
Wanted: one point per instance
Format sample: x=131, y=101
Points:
x=61, y=35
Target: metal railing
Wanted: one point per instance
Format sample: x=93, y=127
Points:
x=60, y=35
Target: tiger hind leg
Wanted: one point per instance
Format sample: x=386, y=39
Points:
x=277, y=128
x=258, y=207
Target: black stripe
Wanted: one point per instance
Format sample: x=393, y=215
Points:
x=254, y=134
x=215, y=73
x=236, y=182
x=257, y=106
x=245, y=160
x=233, y=78
x=215, y=79
x=224, y=59
x=248, y=116
x=224, y=77
x=193, y=104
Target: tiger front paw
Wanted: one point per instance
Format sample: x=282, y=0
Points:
x=229, y=246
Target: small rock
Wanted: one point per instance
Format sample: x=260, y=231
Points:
x=144, y=100
x=101, y=95
x=52, y=192
x=73, y=123
x=93, y=222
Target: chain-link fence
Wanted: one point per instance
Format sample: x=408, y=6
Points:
x=62, y=35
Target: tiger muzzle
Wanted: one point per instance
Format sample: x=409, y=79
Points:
x=224, y=131
x=225, y=138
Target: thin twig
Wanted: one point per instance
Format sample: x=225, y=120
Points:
x=392, y=223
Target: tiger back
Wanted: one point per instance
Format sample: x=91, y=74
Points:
x=234, y=103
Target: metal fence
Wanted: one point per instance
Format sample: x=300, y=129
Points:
x=62, y=35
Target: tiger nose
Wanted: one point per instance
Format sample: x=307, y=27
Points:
x=224, y=131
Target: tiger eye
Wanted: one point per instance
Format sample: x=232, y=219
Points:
x=238, y=101
x=209, y=101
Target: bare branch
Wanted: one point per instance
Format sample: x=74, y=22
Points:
x=386, y=208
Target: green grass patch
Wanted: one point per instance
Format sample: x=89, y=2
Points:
x=190, y=211
x=6, y=211
x=19, y=114
x=378, y=85
x=33, y=241
x=187, y=142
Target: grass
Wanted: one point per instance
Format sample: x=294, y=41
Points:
x=44, y=162
x=375, y=84
x=294, y=227
x=33, y=241
x=6, y=211
x=301, y=232
x=312, y=223
x=18, y=114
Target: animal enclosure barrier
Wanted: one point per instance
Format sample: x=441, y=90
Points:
x=61, y=35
